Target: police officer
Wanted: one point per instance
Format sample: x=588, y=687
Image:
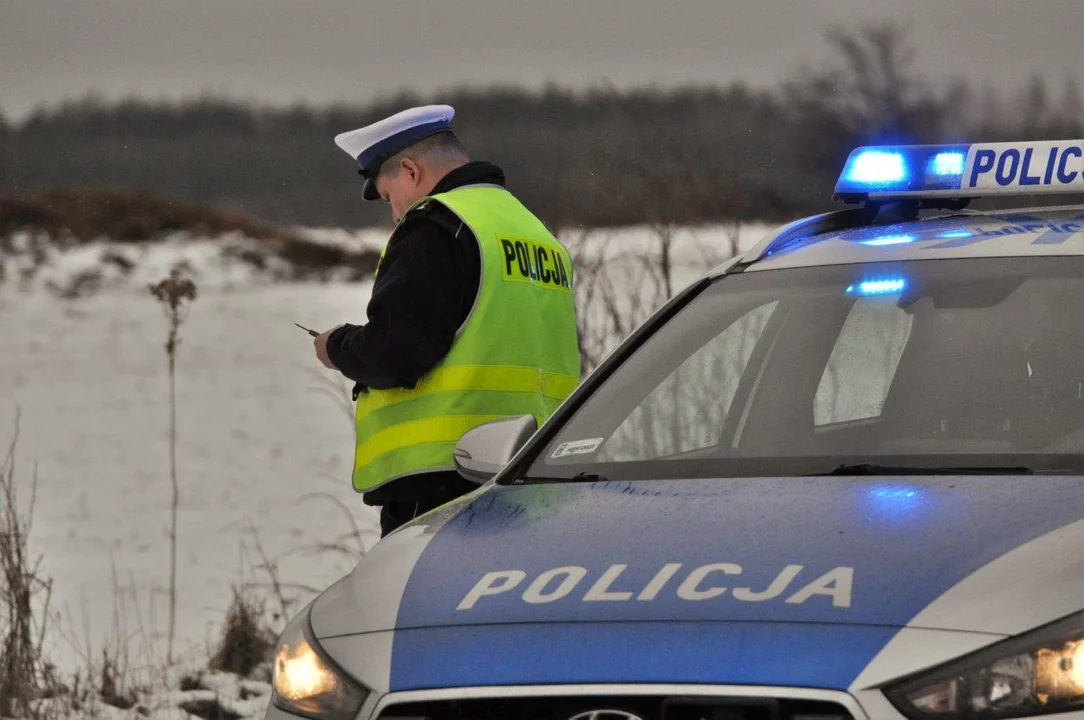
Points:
x=471, y=316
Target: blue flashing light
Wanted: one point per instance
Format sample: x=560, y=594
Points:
x=955, y=234
x=915, y=170
x=886, y=286
x=948, y=163
x=890, y=240
x=876, y=167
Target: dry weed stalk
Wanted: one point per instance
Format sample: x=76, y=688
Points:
x=618, y=289
x=25, y=675
x=176, y=293
x=340, y=392
x=270, y=567
x=341, y=543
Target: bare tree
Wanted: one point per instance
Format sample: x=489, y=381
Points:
x=867, y=93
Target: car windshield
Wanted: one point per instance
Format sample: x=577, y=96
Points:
x=928, y=366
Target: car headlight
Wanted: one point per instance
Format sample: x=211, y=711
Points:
x=1039, y=672
x=305, y=681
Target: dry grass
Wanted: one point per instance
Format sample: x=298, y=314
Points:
x=30, y=685
x=25, y=675
x=70, y=216
x=107, y=677
x=313, y=261
x=246, y=642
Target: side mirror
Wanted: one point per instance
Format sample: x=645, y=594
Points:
x=484, y=450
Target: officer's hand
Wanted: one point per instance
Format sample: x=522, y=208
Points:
x=320, y=343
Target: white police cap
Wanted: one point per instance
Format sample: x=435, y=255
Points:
x=373, y=144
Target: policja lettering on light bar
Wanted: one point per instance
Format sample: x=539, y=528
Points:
x=699, y=584
x=1027, y=165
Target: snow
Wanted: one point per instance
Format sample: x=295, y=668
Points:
x=256, y=431
x=265, y=438
x=34, y=265
x=363, y=239
x=219, y=695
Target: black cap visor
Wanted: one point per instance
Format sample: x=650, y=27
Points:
x=369, y=191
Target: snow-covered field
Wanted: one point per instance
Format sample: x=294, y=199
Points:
x=264, y=441
x=255, y=431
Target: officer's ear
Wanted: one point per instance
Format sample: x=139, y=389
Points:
x=412, y=169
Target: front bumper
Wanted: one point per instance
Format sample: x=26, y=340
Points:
x=437, y=672
x=644, y=701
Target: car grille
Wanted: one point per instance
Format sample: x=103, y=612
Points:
x=618, y=708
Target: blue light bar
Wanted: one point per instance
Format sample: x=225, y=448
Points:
x=885, y=286
x=959, y=171
x=948, y=163
x=875, y=167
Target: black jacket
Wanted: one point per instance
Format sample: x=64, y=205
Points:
x=425, y=287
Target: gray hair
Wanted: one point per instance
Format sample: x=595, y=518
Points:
x=440, y=149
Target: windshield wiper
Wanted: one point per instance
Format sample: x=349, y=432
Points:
x=589, y=477
x=874, y=469
x=578, y=477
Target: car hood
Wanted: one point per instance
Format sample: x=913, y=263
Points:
x=991, y=555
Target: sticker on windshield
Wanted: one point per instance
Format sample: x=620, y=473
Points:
x=577, y=447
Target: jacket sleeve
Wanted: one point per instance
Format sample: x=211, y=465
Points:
x=417, y=306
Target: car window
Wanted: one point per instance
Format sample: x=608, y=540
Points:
x=687, y=409
x=863, y=362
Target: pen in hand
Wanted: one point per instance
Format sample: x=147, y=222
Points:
x=310, y=332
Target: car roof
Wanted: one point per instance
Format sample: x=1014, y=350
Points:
x=823, y=240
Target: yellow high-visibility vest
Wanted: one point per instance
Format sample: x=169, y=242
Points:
x=516, y=354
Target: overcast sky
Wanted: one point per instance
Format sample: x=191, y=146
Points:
x=281, y=51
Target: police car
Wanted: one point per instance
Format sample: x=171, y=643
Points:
x=841, y=476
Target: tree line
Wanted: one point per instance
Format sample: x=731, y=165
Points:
x=599, y=157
